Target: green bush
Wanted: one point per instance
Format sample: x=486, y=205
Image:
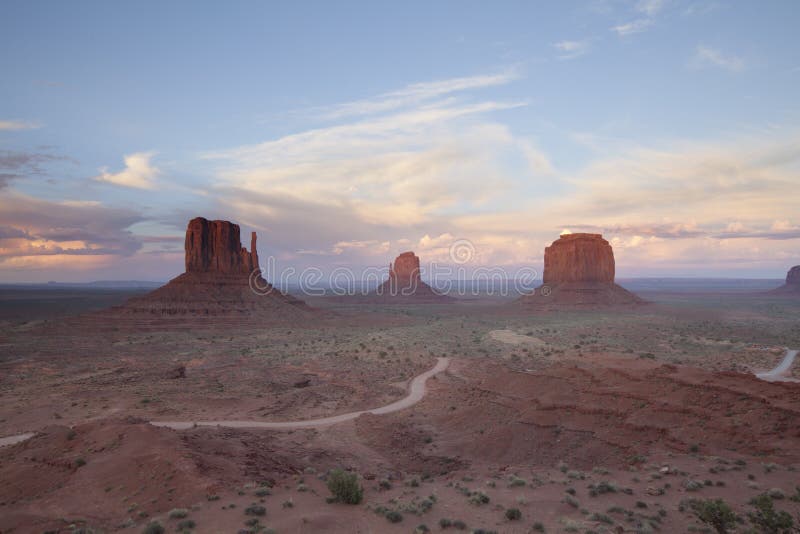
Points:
x=767, y=519
x=393, y=516
x=344, y=487
x=513, y=514
x=178, y=513
x=715, y=513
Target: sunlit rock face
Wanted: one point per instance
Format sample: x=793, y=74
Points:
x=579, y=258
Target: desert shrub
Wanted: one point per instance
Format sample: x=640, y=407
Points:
x=538, y=527
x=513, y=514
x=572, y=501
x=444, y=523
x=178, y=513
x=602, y=518
x=421, y=529
x=262, y=492
x=516, y=482
x=345, y=487
x=692, y=485
x=715, y=513
x=255, y=509
x=186, y=524
x=393, y=516
x=768, y=520
x=478, y=498
x=80, y=462
x=601, y=488
x=154, y=527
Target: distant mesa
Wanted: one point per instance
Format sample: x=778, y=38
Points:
x=405, y=283
x=792, y=285
x=579, y=271
x=221, y=279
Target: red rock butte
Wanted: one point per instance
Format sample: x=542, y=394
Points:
x=221, y=279
x=579, y=271
x=405, y=282
x=792, y=285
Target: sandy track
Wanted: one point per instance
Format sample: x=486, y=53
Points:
x=781, y=372
x=416, y=392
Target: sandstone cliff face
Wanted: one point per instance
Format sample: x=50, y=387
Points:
x=579, y=258
x=793, y=276
x=215, y=246
x=405, y=270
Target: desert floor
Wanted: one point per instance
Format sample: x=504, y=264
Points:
x=583, y=421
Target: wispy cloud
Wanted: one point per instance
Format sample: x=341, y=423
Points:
x=647, y=10
x=415, y=94
x=571, y=49
x=138, y=172
x=630, y=28
x=706, y=55
x=9, y=124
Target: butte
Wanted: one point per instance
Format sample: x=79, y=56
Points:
x=792, y=285
x=222, y=279
x=579, y=272
x=405, y=284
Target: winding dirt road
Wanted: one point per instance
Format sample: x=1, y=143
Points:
x=781, y=372
x=416, y=392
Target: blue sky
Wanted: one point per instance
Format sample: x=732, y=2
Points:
x=346, y=133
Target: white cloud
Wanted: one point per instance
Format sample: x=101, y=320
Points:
x=415, y=94
x=706, y=55
x=18, y=125
x=635, y=26
x=138, y=172
x=571, y=49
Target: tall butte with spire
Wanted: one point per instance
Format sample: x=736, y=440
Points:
x=221, y=279
x=579, y=271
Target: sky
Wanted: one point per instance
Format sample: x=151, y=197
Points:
x=345, y=133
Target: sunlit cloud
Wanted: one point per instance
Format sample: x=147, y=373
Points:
x=8, y=124
x=138, y=172
x=32, y=228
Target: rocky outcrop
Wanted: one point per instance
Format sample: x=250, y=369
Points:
x=215, y=246
x=579, y=258
x=579, y=271
x=221, y=279
x=405, y=282
x=792, y=285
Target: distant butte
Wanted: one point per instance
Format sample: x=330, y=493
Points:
x=405, y=282
x=792, y=285
x=579, y=271
x=220, y=280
